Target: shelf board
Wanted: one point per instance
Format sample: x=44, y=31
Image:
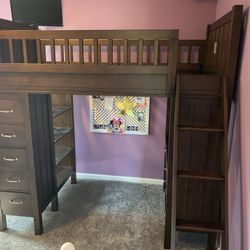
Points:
x=61, y=152
x=198, y=227
x=200, y=129
x=60, y=132
x=199, y=176
x=58, y=110
x=62, y=175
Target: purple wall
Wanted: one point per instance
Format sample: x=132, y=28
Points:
x=127, y=155
x=190, y=16
x=239, y=172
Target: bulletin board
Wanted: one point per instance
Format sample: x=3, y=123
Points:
x=119, y=114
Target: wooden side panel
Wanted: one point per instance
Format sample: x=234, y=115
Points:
x=42, y=148
x=223, y=38
x=89, y=84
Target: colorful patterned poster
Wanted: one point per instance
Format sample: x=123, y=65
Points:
x=119, y=114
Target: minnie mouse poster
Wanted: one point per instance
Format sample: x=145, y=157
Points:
x=117, y=126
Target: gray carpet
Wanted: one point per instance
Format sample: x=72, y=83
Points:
x=100, y=215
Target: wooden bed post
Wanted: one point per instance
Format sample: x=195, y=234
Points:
x=169, y=242
x=169, y=227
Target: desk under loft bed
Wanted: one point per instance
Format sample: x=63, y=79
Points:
x=41, y=70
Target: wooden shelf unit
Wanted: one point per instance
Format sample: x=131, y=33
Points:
x=63, y=130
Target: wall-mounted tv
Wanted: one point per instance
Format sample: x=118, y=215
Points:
x=37, y=12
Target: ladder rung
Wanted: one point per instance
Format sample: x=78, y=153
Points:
x=199, y=176
x=182, y=225
x=201, y=129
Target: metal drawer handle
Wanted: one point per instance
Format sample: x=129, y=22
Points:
x=16, y=202
x=10, y=158
x=8, y=135
x=6, y=111
x=10, y=180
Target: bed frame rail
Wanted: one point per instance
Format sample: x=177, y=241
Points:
x=115, y=52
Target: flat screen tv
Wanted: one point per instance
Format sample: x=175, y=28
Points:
x=37, y=12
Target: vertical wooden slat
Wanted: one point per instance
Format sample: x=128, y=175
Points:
x=40, y=59
x=95, y=52
x=156, y=52
x=81, y=57
x=62, y=53
x=118, y=54
x=140, y=54
x=99, y=53
x=110, y=51
x=71, y=53
x=11, y=51
x=201, y=55
x=53, y=54
x=66, y=44
x=24, y=45
x=148, y=54
x=189, y=54
x=125, y=51
x=90, y=54
x=172, y=64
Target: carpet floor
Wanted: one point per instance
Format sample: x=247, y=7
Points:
x=100, y=215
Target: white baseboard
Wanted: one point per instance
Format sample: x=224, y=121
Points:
x=102, y=177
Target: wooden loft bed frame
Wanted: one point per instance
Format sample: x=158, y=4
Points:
x=145, y=76
x=145, y=63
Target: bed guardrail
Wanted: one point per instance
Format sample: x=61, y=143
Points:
x=135, y=52
x=191, y=55
x=139, y=47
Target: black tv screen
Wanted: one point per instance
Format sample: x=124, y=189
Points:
x=37, y=12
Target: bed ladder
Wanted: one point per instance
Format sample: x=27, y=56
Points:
x=184, y=177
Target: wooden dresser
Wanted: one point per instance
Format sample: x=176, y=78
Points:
x=28, y=181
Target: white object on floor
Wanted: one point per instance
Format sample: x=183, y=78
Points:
x=68, y=246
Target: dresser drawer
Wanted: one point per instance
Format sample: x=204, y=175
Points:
x=12, y=136
x=16, y=203
x=11, y=109
x=13, y=160
x=14, y=181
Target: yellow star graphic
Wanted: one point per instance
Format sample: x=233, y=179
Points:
x=126, y=106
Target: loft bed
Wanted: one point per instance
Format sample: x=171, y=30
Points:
x=146, y=63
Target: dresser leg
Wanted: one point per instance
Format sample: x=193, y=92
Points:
x=3, y=224
x=73, y=178
x=38, y=223
x=211, y=241
x=54, y=203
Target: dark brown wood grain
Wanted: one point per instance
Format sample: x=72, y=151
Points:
x=225, y=32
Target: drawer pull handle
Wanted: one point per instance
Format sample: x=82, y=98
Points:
x=15, y=202
x=6, y=111
x=8, y=135
x=9, y=180
x=10, y=158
